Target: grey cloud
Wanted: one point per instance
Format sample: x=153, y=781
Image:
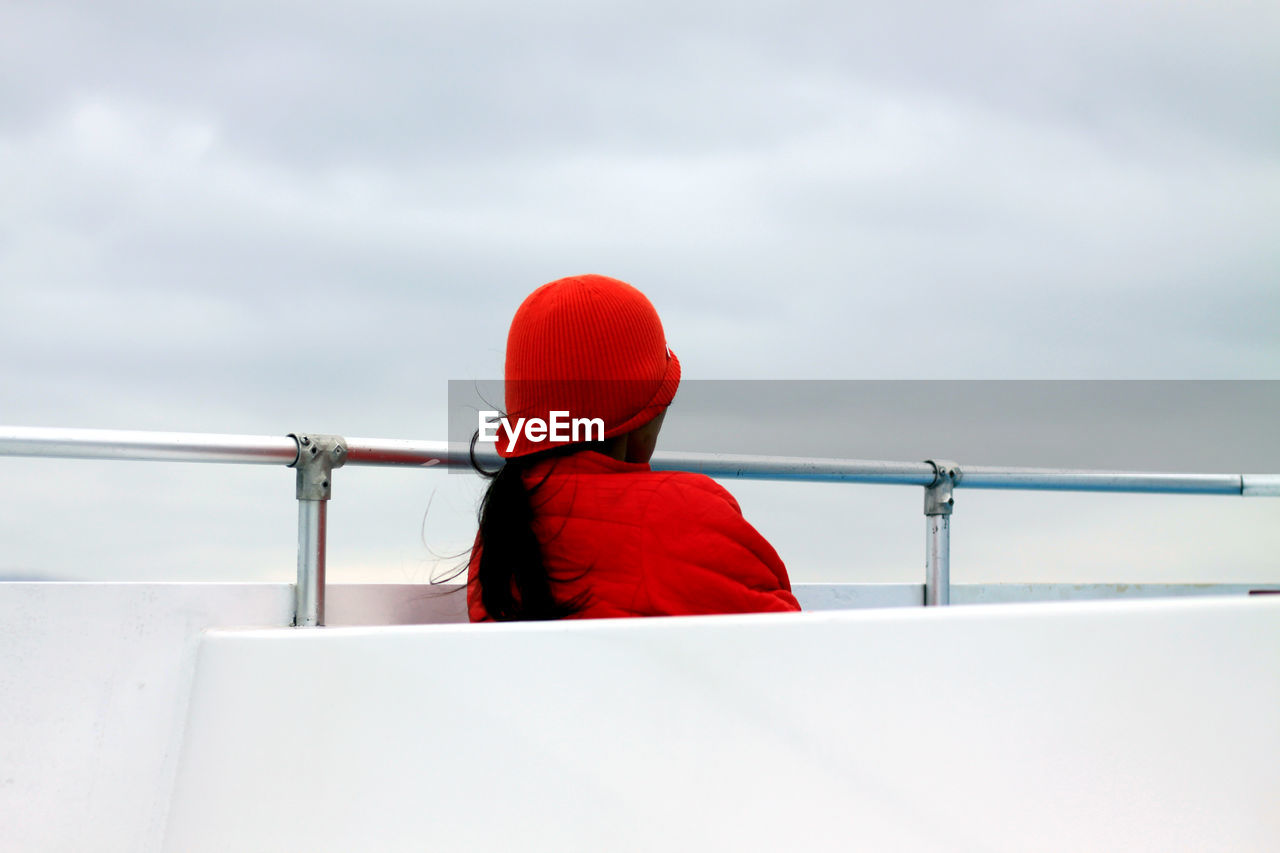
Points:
x=259, y=217
x=410, y=81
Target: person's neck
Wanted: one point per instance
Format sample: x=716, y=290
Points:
x=614, y=448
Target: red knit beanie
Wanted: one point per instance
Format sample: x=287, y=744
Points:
x=590, y=346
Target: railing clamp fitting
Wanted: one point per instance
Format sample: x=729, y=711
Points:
x=318, y=455
x=938, y=499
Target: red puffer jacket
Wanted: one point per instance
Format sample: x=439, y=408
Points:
x=646, y=543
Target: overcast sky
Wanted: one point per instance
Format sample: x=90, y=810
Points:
x=266, y=217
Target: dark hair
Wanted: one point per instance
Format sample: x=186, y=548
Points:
x=514, y=582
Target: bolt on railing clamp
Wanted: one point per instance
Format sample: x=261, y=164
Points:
x=938, y=499
x=317, y=456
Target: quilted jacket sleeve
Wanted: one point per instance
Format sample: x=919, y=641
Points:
x=699, y=555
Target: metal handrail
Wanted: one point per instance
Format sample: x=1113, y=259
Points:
x=315, y=456
x=154, y=446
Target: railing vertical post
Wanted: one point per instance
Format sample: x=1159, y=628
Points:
x=318, y=455
x=308, y=594
x=937, y=567
x=938, y=503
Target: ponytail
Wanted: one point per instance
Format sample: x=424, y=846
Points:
x=514, y=581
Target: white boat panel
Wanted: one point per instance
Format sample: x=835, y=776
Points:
x=94, y=680
x=1124, y=725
